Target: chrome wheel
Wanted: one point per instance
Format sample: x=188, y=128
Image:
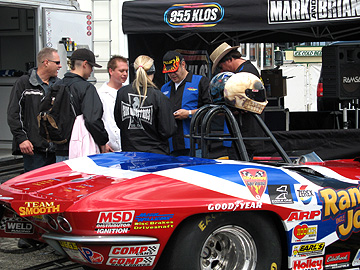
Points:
x=228, y=248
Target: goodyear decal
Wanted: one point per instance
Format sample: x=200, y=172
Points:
x=194, y=15
x=342, y=205
x=255, y=180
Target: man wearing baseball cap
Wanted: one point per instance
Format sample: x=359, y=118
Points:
x=85, y=99
x=187, y=92
x=228, y=58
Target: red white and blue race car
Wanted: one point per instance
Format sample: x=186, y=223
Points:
x=149, y=211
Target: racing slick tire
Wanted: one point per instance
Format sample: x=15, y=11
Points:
x=225, y=241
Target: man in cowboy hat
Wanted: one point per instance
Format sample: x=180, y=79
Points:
x=227, y=58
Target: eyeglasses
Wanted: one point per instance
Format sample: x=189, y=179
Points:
x=56, y=62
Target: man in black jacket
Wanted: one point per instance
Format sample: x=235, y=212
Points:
x=86, y=100
x=23, y=109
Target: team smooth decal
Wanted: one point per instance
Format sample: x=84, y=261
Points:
x=298, y=11
x=194, y=15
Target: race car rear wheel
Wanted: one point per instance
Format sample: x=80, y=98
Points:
x=223, y=241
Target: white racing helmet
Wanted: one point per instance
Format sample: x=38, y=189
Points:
x=245, y=91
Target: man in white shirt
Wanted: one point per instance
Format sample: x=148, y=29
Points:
x=118, y=68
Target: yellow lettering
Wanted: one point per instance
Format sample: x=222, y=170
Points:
x=330, y=198
x=344, y=200
x=355, y=196
x=346, y=230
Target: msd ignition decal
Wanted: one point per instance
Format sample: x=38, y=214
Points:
x=280, y=194
x=255, y=180
x=308, y=264
x=304, y=233
x=114, y=222
x=133, y=261
x=338, y=260
x=194, y=15
x=134, y=251
x=298, y=11
x=308, y=250
x=343, y=206
x=304, y=194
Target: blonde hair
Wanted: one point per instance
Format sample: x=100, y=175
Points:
x=142, y=64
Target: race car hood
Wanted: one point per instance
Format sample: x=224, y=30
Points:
x=56, y=187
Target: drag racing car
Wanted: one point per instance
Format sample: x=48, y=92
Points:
x=130, y=210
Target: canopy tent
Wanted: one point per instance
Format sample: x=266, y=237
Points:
x=154, y=27
x=246, y=20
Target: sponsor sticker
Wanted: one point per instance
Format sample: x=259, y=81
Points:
x=72, y=250
x=356, y=260
x=114, y=222
x=304, y=216
x=308, y=264
x=304, y=233
x=38, y=208
x=153, y=217
x=337, y=260
x=134, y=251
x=307, y=250
x=304, y=194
x=238, y=205
x=131, y=261
x=255, y=180
x=19, y=227
x=280, y=194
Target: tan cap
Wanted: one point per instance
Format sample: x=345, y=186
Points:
x=219, y=53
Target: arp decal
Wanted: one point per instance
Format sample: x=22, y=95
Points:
x=280, y=194
x=305, y=195
x=153, y=217
x=134, y=251
x=304, y=216
x=339, y=202
x=194, y=15
x=338, y=260
x=308, y=250
x=114, y=222
x=304, y=233
x=308, y=264
x=132, y=261
x=255, y=180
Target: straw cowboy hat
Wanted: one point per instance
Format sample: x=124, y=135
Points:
x=219, y=53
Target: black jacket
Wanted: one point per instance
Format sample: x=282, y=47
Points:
x=87, y=102
x=144, y=127
x=25, y=98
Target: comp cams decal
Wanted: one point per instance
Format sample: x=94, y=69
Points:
x=114, y=222
x=132, y=261
x=134, y=251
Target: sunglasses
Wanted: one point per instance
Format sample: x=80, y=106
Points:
x=56, y=62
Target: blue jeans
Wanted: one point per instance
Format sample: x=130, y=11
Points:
x=61, y=158
x=38, y=160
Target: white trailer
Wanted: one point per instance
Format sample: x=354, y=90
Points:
x=28, y=26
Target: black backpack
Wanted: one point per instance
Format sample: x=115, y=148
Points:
x=57, y=114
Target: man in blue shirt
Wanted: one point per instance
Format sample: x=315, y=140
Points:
x=187, y=92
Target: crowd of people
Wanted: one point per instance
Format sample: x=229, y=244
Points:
x=139, y=117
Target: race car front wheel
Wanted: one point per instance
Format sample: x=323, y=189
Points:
x=223, y=241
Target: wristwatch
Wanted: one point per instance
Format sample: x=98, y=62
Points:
x=190, y=113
